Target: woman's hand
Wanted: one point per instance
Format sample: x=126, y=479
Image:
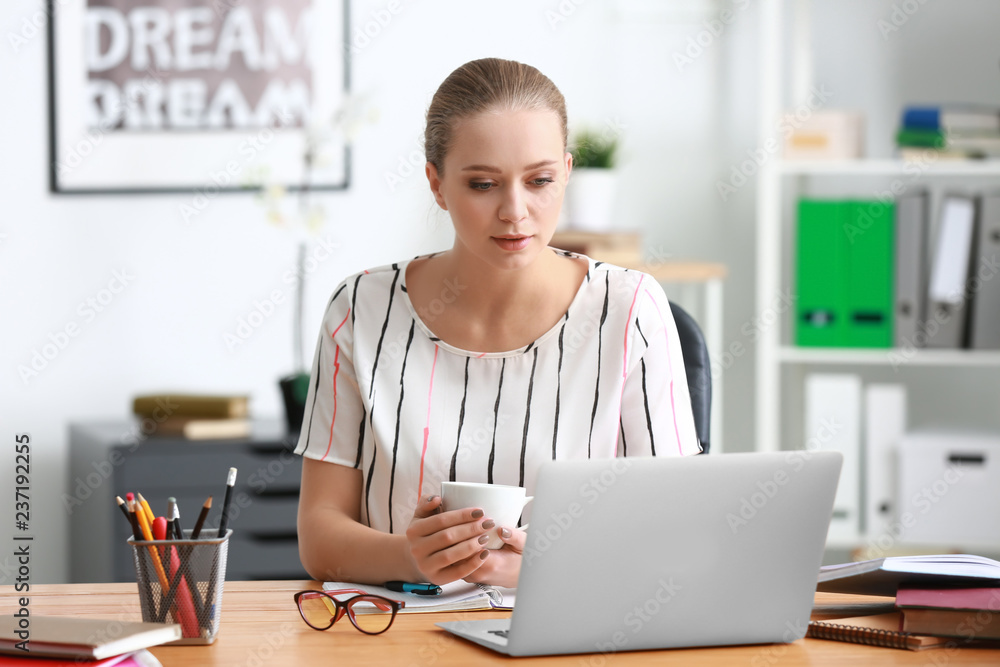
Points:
x=503, y=565
x=447, y=546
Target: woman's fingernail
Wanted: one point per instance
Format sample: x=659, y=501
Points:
x=504, y=532
x=477, y=514
x=484, y=539
x=430, y=499
x=483, y=554
x=489, y=523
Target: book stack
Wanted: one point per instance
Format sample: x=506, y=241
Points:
x=958, y=130
x=869, y=275
x=194, y=416
x=940, y=600
x=62, y=641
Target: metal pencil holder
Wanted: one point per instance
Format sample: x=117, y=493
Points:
x=180, y=581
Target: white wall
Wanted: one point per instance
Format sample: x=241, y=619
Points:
x=190, y=284
x=685, y=126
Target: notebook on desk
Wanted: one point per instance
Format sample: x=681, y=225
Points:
x=630, y=554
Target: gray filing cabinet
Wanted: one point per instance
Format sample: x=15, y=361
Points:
x=113, y=458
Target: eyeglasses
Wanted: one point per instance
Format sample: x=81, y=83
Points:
x=371, y=614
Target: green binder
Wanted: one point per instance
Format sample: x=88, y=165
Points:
x=821, y=282
x=844, y=273
x=870, y=237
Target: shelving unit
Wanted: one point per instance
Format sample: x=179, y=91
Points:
x=780, y=366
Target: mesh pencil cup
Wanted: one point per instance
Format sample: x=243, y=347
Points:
x=180, y=581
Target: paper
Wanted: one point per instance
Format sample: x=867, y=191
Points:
x=456, y=596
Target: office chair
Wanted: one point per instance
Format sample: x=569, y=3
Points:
x=699, y=372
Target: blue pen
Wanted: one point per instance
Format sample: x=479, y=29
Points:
x=416, y=589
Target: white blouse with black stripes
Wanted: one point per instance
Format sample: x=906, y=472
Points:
x=409, y=410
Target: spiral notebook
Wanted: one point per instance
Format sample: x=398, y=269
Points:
x=877, y=630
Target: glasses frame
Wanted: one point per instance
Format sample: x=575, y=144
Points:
x=347, y=607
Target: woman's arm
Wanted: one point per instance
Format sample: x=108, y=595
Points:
x=335, y=546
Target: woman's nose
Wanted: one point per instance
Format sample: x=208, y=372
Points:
x=513, y=208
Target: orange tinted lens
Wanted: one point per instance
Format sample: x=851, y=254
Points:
x=318, y=610
x=371, y=615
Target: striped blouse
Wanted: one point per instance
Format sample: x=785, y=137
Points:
x=409, y=410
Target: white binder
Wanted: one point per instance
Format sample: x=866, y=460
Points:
x=833, y=423
x=985, y=322
x=947, y=314
x=885, y=425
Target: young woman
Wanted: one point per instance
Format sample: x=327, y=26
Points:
x=480, y=362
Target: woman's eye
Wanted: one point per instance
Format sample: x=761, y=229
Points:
x=480, y=185
x=542, y=181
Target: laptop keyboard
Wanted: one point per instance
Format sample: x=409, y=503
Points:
x=501, y=633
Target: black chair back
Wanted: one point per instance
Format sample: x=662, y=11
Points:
x=699, y=372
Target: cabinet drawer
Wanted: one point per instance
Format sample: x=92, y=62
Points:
x=177, y=467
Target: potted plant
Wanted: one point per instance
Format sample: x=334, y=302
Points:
x=593, y=184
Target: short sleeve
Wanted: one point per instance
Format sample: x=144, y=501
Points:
x=656, y=415
x=333, y=422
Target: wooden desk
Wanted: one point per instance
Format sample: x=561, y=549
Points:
x=260, y=627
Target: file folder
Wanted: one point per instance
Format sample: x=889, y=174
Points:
x=870, y=274
x=885, y=426
x=912, y=219
x=821, y=273
x=985, y=321
x=947, y=316
x=833, y=423
x=844, y=273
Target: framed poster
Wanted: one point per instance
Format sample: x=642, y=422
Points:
x=184, y=95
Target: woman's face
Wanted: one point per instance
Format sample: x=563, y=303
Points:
x=503, y=182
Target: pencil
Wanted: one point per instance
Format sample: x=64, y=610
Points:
x=201, y=518
x=147, y=533
x=220, y=533
x=129, y=507
x=224, y=522
x=121, y=506
x=146, y=508
x=136, y=532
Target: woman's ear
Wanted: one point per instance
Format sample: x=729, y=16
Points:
x=569, y=164
x=435, y=182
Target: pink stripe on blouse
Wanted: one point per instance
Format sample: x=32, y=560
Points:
x=427, y=426
x=628, y=324
x=336, y=370
x=670, y=369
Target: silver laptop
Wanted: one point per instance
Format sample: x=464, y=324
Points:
x=651, y=553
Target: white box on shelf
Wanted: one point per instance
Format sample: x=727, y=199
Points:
x=823, y=135
x=833, y=422
x=949, y=488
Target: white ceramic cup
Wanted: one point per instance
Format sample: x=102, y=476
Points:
x=501, y=503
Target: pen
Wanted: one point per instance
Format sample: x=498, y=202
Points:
x=230, y=481
x=416, y=589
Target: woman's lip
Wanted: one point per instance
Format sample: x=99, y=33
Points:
x=512, y=243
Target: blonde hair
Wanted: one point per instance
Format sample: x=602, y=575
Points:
x=489, y=84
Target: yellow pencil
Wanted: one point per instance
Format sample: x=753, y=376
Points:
x=147, y=534
x=146, y=508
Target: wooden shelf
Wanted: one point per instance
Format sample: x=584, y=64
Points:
x=888, y=167
x=684, y=272
x=895, y=357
